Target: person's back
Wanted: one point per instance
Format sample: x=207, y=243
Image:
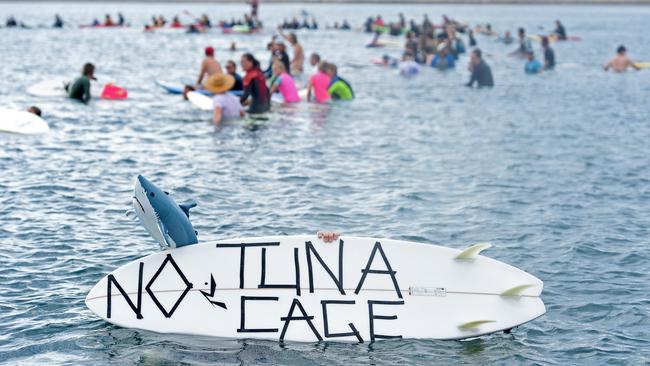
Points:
x=320, y=82
x=481, y=72
x=229, y=104
x=287, y=87
x=620, y=62
x=211, y=66
x=340, y=89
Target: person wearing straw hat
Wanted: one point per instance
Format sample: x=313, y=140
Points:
x=225, y=105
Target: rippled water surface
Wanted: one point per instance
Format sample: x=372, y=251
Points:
x=552, y=169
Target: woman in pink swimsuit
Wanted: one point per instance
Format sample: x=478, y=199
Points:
x=283, y=82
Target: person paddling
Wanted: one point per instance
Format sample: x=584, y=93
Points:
x=225, y=105
x=254, y=86
x=80, y=88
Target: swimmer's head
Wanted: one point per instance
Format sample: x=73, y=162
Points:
x=521, y=32
x=331, y=69
x=34, y=109
x=621, y=50
x=88, y=70
x=231, y=67
x=314, y=59
x=209, y=51
x=530, y=55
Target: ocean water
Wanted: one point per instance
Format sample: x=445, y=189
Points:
x=552, y=169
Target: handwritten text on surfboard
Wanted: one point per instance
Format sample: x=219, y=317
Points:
x=296, y=311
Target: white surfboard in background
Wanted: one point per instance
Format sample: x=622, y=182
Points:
x=301, y=289
x=55, y=88
x=21, y=122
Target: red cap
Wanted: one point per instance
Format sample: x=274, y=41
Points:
x=209, y=51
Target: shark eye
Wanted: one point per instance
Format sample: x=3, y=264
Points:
x=152, y=194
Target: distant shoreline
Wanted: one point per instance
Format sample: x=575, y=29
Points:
x=381, y=2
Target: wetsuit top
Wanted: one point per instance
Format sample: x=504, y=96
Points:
x=80, y=89
x=549, y=58
x=255, y=87
x=561, y=32
x=445, y=62
x=533, y=66
x=239, y=85
x=340, y=89
x=482, y=75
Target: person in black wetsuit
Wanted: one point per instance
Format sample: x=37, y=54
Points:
x=58, y=21
x=560, y=31
x=481, y=72
x=254, y=86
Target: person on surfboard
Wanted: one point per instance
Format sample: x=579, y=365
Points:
x=620, y=62
x=209, y=67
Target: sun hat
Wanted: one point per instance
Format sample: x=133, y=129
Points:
x=219, y=83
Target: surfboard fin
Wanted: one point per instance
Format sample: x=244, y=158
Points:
x=473, y=251
x=474, y=324
x=516, y=291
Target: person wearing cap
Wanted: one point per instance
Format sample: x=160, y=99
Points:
x=532, y=66
x=481, y=72
x=283, y=83
x=620, y=62
x=225, y=105
x=209, y=66
x=339, y=88
x=80, y=88
x=443, y=60
x=298, y=53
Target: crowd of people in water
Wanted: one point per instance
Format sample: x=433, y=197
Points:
x=287, y=78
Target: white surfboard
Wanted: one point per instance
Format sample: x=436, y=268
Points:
x=21, y=122
x=199, y=100
x=55, y=88
x=300, y=289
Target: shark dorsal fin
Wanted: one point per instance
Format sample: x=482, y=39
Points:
x=186, y=207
